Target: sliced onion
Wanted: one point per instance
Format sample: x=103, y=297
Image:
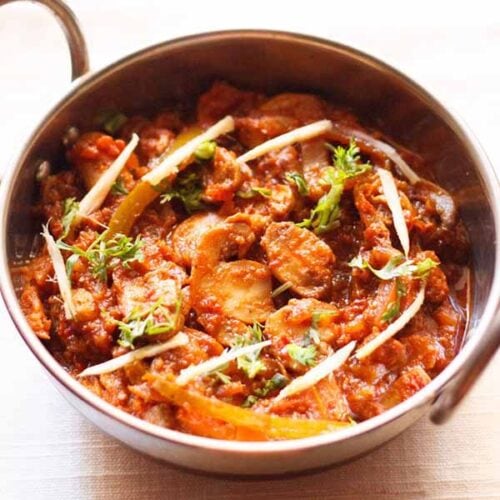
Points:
x=144, y=352
x=390, y=191
x=463, y=281
x=314, y=375
x=314, y=155
x=170, y=165
x=348, y=133
x=194, y=371
x=393, y=328
x=96, y=196
x=297, y=135
x=63, y=281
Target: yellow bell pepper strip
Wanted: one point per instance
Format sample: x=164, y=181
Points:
x=130, y=209
x=134, y=204
x=145, y=193
x=272, y=426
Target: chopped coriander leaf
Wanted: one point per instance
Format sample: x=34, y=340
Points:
x=397, y=266
x=118, y=187
x=277, y=381
x=312, y=335
x=205, y=151
x=394, y=308
x=265, y=192
x=250, y=401
x=165, y=326
x=250, y=363
x=254, y=191
x=299, y=181
x=303, y=355
x=115, y=123
x=70, y=210
x=225, y=379
x=391, y=312
x=256, y=332
x=325, y=215
x=111, y=121
x=187, y=188
x=130, y=329
x=282, y=288
x=424, y=267
x=320, y=314
x=70, y=264
x=105, y=254
x=245, y=194
x=140, y=323
x=348, y=160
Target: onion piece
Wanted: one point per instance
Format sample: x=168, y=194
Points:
x=170, y=165
x=390, y=191
x=63, y=281
x=314, y=155
x=95, y=197
x=385, y=148
x=297, y=135
x=314, y=375
x=463, y=281
x=144, y=352
x=393, y=328
x=194, y=371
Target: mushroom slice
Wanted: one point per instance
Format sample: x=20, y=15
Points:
x=188, y=233
x=304, y=107
x=298, y=320
x=242, y=289
x=274, y=206
x=298, y=256
x=239, y=289
x=139, y=293
x=223, y=178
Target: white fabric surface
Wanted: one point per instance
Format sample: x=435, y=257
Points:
x=47, y=450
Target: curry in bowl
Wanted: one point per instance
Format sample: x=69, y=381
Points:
x=248, y=268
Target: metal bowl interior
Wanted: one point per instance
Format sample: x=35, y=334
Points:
x=272, y=62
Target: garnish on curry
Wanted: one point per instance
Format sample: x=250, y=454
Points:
x=256, y=268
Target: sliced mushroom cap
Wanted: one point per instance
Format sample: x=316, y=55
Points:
x=303, y=107
x=240, y=290
x=188, y=233
x=298, y=256
x=138, y=294
x=223, y=178
x=274, y=206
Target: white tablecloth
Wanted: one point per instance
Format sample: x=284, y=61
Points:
x=47, y=450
